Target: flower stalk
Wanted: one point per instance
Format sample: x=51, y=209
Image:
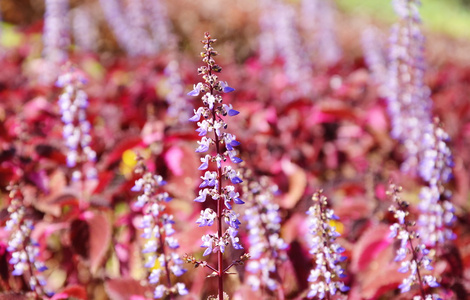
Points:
x=221, y=146
x=324, y=277
x=418, y=260
x=157, y=225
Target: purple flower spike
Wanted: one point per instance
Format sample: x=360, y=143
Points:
x=324, y=249
x=225, y=87
x=219, y=179
x=410, y=242
x=157, y=223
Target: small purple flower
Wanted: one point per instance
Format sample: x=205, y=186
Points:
x=197, y=89
x=205, y=162
x=231, y=219
x=204, y=144
x=232, y=232
x=209, y=179
x=229, y=110
x=181, y=288
x=197, y=114
x=207, y=217
x=208, y=242
x=202, y=196
x=225, y=87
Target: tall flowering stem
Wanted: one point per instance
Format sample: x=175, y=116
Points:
x=73, y=104
x=437, y=211
x=24, y=250
x=263, y=221
x=56, y=37
x=158, y=232
x=409, y=102
x=324, y=277
x=217, y=185
x=412, y=254
x=318, y=20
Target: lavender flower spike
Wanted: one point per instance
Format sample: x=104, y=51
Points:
x=267, y=248
x=220, y=150
x=437, y=211
x=327, y=253
x=158, y=232
x=408, y=97
x=73, y=103
x=412, y=254
x=24, y=250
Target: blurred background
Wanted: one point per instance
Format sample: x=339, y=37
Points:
x=237, y=21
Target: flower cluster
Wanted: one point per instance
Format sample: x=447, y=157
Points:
x=263, y=221
x=375, y=56
x=158, y=233
x=318, y=19
x=177, y=106
x=409, y=102
x=413, y=255
x=141, y=28
x=85, y=28
x=437, y=212
x=56, y=37
x=279, y=22
x=212, y=113
x=324, y=277
x=73, y=103
x=24, y=250
x=125, y=32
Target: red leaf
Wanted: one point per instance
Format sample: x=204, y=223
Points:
x=100, y=238
x=124, y=288
x=13, y=296
x=372, y=242
x=75, y=291
x=183, y=162
x=297, y=183
x=104, y=178
x=80, y=237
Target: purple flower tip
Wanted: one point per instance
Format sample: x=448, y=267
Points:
x=202, y=148
x=344, y=288
x=195, y=118
x=236, y=180
x=225, y=87
x=236, y=160
x=42, y=269
x=234, y=143
x=194, y=93
x=238, y=201
x=135, y=188
x=207, y=252
x=233, y=112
